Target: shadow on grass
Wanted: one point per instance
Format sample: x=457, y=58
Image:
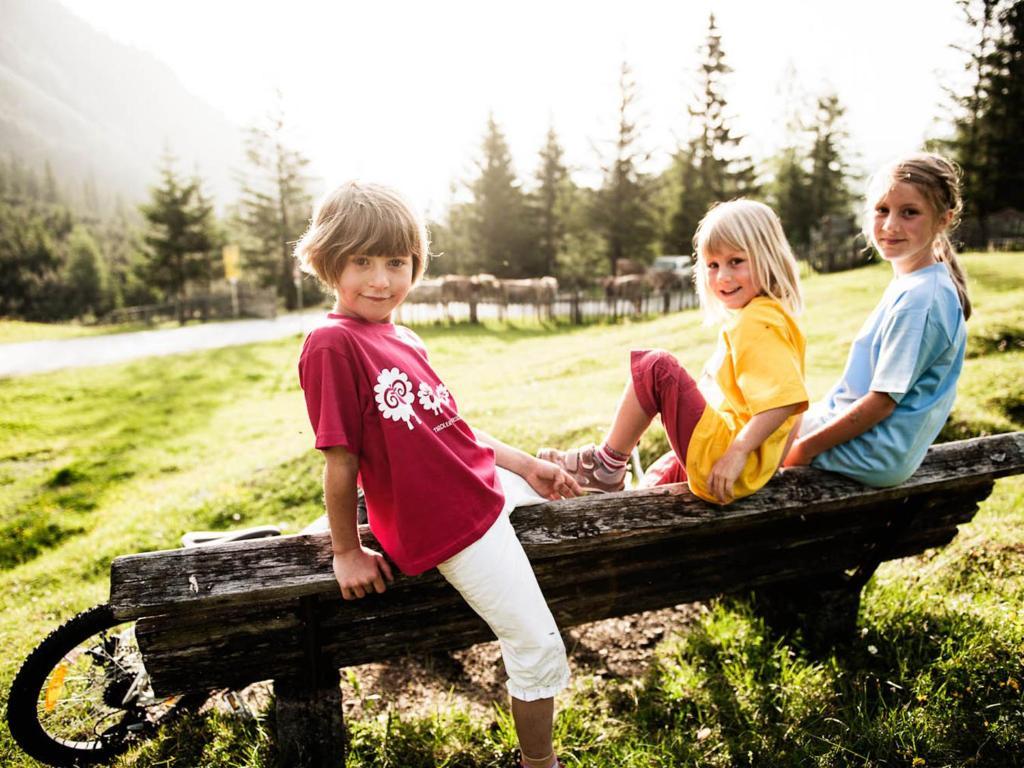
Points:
x=210, y=740
x=995, y=341
x=934, y=686
x=964, y=429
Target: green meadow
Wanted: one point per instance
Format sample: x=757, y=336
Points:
x=98, y=462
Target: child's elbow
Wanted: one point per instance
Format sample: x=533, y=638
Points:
x=882, y=404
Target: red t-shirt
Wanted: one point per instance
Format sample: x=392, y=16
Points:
x=431, y=488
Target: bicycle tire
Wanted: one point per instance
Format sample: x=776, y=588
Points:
x=110, y=667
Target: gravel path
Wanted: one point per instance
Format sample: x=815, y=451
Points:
x=42, y=356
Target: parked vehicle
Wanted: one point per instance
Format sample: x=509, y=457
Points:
x=671, y=273
x=681, y=265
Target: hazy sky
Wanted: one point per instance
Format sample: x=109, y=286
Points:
x=400, y=91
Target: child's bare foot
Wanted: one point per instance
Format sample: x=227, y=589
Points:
x=587, y=469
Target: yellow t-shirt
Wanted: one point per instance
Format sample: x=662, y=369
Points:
x=758, y=365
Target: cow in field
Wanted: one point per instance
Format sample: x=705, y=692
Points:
x=631, y=288
x=489, y=289
x=665, y=281
x=538, y=291
x=628, y=266
x=425, y=291
x=457, y=288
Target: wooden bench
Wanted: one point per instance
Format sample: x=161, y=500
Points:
x=230, y=615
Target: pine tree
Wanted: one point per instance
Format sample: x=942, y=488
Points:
x=180, y=235
x=829, y=175
x=691, y=204
x=85, y=279
x=125, y=257
x=713, y=166
x=549, y=202
x=29, y=260
x=498, y=225
x=275, y=204
x=788, y=188
x=987, y=141
x=1005, y=112
x=450, y=238
x=51, y=193
x=211, y=263
x=790, y=193
x=623, y=209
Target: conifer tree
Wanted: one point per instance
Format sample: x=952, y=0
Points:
x=790, y=193
x=85, y=279
x=498, y=227
x=29, y=260
x=829, y=192
x=713, y=165
x=275, y=204
x=181, y=232
x=1006, y=110
x=51, y=193
x=788, y=188
x=549, y=202
x=987, y=140
x=623, y=209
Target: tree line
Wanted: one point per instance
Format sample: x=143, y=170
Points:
x=555, y=226
x=62, y=255
x=548, y=224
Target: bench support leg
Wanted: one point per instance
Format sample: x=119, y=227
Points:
x=823, y=612
x=310, y=724
x=310, y=721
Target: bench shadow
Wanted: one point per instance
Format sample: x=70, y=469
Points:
x=909, y=665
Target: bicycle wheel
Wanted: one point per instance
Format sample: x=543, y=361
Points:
x=83, y=696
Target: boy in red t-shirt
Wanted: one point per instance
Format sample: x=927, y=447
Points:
x=437, y=493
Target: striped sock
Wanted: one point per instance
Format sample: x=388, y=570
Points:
x=611, y=458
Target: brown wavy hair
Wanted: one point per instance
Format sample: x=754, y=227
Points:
x=365, y=219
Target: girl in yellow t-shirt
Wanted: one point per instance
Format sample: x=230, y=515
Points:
x=729, y=431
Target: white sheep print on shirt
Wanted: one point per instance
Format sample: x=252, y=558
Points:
x=394, y=396
x=432, y=399
x=395, y=399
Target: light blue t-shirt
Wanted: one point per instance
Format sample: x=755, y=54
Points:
x=912, y=348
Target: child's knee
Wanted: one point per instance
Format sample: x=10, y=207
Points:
x=538, y=670
x=645, y=363
x=656, y=375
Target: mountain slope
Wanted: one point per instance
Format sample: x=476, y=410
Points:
x=97, y=108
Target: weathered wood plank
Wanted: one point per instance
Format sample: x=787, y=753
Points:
x=238, y=645
x=294, y=566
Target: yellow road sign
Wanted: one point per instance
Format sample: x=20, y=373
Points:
x=232, y=262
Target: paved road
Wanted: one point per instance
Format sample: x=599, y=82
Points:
x=41, y=356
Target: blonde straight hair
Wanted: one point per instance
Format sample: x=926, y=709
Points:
x=938, y=181
x=753, y=228
x=364, y=219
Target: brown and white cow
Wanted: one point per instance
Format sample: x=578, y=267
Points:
x=631, y=288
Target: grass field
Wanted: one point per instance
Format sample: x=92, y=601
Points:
x=104, y=461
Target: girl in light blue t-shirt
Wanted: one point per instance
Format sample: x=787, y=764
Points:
x=877, y=422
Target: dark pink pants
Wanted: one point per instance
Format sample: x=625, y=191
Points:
x=664, y=387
